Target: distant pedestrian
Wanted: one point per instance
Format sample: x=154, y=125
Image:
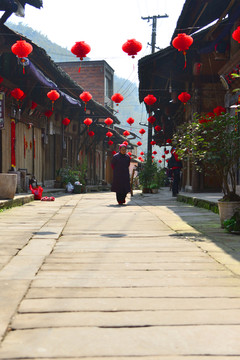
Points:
x=175, y=165
x=121, y=177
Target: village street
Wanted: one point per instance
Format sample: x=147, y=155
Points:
x=84, y=278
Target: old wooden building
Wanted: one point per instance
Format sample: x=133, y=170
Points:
x=206, y=76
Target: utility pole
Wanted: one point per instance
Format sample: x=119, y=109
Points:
x=153, y=45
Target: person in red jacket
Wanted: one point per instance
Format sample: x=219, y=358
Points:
x=175, y=165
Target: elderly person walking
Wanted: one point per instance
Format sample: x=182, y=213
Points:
x=121, y=178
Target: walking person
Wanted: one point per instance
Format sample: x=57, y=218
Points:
x=121, y=177
x=175, y=165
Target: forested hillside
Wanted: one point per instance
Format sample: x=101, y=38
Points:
x=130, y=107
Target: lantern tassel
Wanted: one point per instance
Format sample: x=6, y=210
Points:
x=185, y=57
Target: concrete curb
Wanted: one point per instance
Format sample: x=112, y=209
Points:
x=201, y=203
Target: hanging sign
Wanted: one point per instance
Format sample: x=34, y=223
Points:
x=2, y=109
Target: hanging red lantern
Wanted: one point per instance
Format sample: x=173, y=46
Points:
x=22, y=49
x=109, y=134
x=184, y=97
x=132, y=47
x=48, y=113
x=126, y=133
x=91, y=133
x=236, y=34
x=160, y=161
x=163, y=156
x=1, y=79
x=18, y=94
x=140, y=158
x=153, y=142
x=154, y=152
x=53, y=95
x=80, y=49
x=125, y=142
x=142, y=131
x=108, y=121
x=114, y=152
x=66, y=121
x=85, y=96
x=88, y=122
x=34, y=105
x=182, y=42
x=158, y=128
x=117, y=98
x=166, y=152
x=168, y=141
x=139, y=143
x=130, y=121
x=141, y=153
x=110, y=142
x=151, y=119
x=150, y=99
x=129, y=153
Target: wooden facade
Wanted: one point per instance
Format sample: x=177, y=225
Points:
x=209, y=61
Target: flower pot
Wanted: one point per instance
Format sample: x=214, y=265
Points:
x=8, y=185
x=154, y=191
x=227, y=209
x=146, y=190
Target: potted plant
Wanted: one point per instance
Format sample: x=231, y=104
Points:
x=154, y=188
x=212, y=143
x=146, y=174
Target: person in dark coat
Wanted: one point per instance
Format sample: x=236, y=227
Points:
x=175, y=165
x=121, y=177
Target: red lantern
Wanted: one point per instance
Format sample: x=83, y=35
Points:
x=182, y=42
x=166, y=152
x=34, y=105
x=126, y=133
x=154, y=152
x=142, y=131
x=139, y=143
x=125, y=142
x=184, y=97
x=129, y=153
x=88, y=122
x=132, y=47
x=18, y=94
x=130, y=121
x=153, y=142
x=110, y=142
x=109, y=134
x=48, y=113
x=219, y=110
x=160, y=161
x=150, y=99
x=236, y=34
x=168, y=141
x=85, y=97
x=158, y=128
x=22, y=49
x=66, y=121
x=53, y=95
x=80, y=49
x=91, y=133
x=163, y=156
x=141, y=153
x=151, y=119
x=108, y=121
x=117, y=98
x=1, y=79
x=114, y=152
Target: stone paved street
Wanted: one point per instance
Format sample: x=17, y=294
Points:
x=84, y=278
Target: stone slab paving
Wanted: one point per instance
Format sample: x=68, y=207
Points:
x=96, y=281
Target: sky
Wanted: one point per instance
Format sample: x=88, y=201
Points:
x=105, y=25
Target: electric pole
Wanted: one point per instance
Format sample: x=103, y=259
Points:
x=153, y=45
